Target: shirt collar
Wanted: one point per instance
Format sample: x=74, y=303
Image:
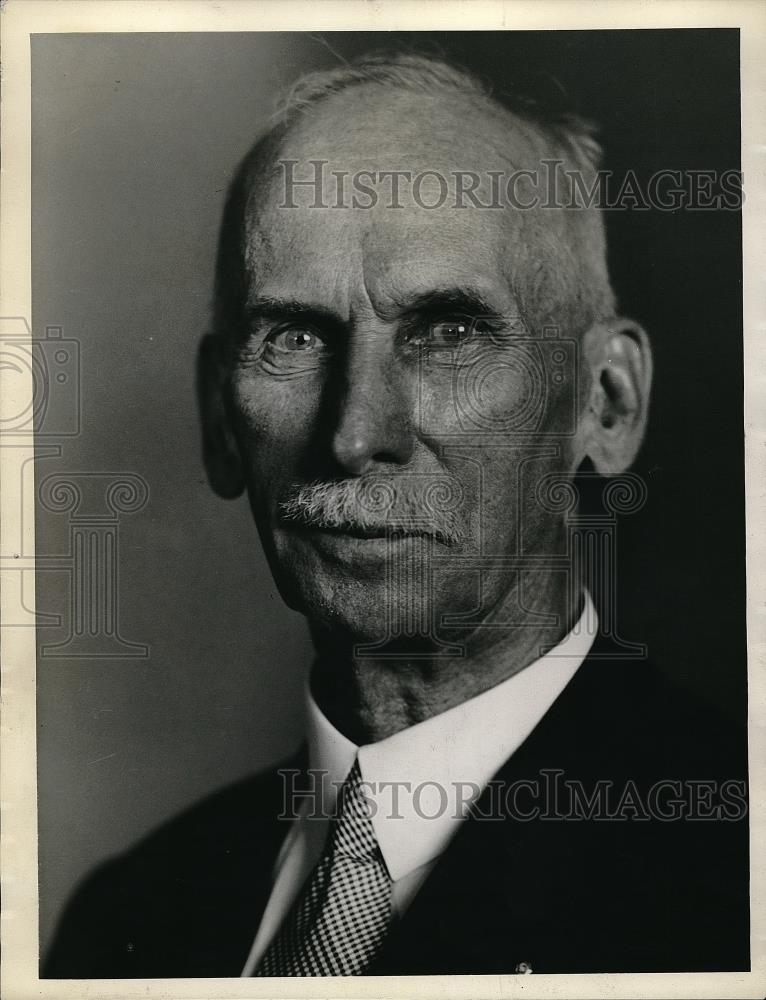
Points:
x=439, y=766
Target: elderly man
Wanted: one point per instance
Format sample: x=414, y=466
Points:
x=416, y=347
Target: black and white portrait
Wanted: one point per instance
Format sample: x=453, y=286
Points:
x=389, y=503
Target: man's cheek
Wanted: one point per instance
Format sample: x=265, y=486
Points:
x=273, y=419
x=436, y=412
x=509, y=475
x=487, y=395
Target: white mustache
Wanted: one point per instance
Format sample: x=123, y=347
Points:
x=377, y=506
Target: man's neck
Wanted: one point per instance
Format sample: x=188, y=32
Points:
x=368, y=698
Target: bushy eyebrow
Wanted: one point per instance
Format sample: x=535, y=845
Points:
x=279, y=310
x=462, y=301
x=468, y=302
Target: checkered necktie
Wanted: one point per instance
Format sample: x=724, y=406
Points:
x=338, y=922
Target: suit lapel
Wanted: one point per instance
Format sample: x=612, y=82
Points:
x=508, y=890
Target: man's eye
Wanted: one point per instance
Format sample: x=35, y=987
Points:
x=449, y=332
x=297, y=339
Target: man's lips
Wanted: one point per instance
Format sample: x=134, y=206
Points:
x=357, y=536
x=362, y=532
x=368, y=547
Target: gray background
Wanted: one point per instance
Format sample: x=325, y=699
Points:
x=134, y=140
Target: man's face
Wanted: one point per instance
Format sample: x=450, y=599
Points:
x=394, y=416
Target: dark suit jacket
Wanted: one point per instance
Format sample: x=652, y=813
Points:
x=563, y=895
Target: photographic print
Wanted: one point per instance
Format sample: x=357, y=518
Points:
x=379, y=417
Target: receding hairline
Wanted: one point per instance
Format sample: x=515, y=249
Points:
x=423, y=74
x=563, y=133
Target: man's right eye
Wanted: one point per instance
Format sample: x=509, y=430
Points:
x=296, y=339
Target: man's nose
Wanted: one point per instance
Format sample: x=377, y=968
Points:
x=374, y=422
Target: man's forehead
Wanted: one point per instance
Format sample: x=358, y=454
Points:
x=330, y=237
x=384, y=255
x=371, y=124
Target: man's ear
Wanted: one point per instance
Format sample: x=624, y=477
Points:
x=619, y=358
x=219, y=446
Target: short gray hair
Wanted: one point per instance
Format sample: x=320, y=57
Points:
x=570, y=289
x=423, y=74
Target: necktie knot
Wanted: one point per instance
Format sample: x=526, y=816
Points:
x=353, y=834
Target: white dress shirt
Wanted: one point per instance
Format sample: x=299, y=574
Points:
x=440, y=766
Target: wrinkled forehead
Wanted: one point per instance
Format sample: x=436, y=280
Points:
x=378, y=195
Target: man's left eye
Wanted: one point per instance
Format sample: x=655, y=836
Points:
x=450, y=331
x=445, y=333
x=296, y=339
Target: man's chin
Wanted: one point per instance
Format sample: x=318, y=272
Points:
x=372, y=591
x=353, y=618
x=368, y=613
